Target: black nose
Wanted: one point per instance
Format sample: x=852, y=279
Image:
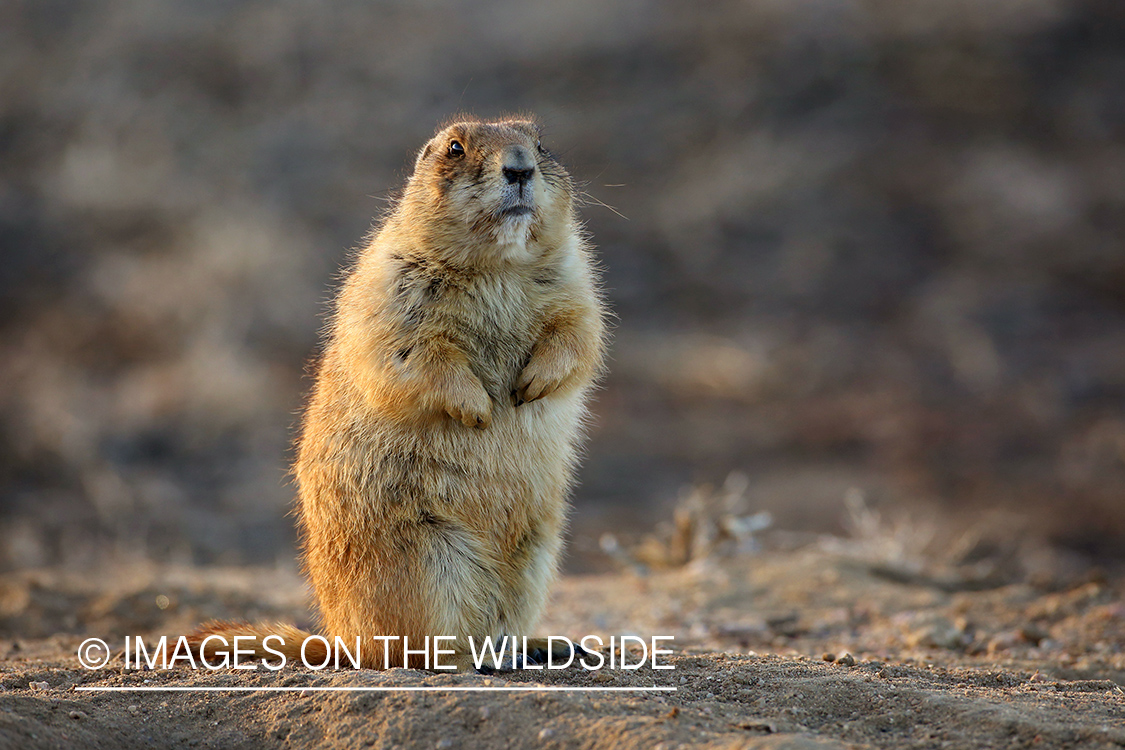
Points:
x=518, y=175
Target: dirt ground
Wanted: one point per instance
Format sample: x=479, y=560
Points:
x=809, y=642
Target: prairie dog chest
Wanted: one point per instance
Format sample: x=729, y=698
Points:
x=499, y=322
x=495, y=318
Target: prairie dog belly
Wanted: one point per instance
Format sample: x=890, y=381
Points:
x=523, y=462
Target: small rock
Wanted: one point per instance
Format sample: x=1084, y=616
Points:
x=829, y=656
x=1004, y=641
x=77, y=715
x=39, y=685
x=444, y=743
x=935, y=632
x=546, y=733
x=134, y=709
x=846, y=660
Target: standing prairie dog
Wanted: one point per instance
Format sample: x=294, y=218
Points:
x=441, y=435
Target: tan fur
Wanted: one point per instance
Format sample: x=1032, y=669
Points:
x=441, y=436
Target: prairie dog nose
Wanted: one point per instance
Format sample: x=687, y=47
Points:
x=517, y=165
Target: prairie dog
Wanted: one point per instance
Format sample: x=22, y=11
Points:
x=441, y=436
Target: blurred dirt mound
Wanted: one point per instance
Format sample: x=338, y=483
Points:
x=870, y=245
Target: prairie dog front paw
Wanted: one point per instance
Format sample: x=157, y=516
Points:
x=542, y=377
x=468, y=402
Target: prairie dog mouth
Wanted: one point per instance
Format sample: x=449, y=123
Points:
x=513, y=224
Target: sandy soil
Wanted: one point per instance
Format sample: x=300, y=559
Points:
x=821, y=644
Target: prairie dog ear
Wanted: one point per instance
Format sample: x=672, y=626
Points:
x=426, y=150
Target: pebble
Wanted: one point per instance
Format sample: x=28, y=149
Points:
x=77, y=715
x=936, y=632
x=546, y=733
x=134, y=709
x=846, y=660
x=39, y=685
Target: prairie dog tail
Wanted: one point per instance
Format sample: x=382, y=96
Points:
x=215, y=641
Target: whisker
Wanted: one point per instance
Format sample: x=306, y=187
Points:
x=588, y=198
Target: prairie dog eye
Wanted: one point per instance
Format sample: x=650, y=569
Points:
x=456, y=149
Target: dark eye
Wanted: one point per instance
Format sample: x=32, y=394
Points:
x=539, y=146
x=456, y=149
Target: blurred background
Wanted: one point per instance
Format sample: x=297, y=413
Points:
x=872, y=248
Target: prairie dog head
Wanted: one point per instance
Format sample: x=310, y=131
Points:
x=491, y=189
